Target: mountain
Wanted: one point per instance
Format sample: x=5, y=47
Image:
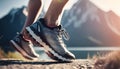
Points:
x=88, y=25
x=10, y=24
x=114, y=22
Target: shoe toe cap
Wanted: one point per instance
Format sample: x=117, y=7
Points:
x=69, y=56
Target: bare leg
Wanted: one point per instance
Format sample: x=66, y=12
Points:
x=54, y=12
x=34, y=9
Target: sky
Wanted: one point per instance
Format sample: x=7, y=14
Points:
x=106, y=5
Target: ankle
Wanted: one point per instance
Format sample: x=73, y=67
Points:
x=50, y=23
x=25, y=35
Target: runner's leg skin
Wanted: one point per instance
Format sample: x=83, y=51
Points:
x=54, y=13
x=34, y=10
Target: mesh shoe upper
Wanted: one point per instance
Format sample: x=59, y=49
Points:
x=51, y=39
x=25, y=46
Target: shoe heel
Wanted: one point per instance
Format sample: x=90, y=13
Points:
x=32, y=39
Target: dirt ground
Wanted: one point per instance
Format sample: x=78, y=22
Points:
x=45, y=64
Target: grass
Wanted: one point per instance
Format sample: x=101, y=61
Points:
x=14, y=55
x=110, y=60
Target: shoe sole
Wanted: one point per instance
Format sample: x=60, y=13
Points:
x=47, y=49
x=20, y=50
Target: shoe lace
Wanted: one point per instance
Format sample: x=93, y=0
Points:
x=62, y=32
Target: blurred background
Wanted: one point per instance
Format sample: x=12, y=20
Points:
x=92, y=24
